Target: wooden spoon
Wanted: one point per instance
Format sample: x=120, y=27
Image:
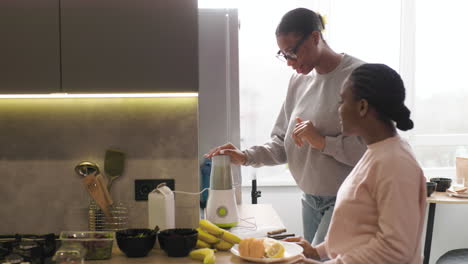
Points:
x=93, y=186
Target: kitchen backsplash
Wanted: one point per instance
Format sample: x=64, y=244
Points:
x=42, y=140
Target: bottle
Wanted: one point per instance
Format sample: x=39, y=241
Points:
x=161, y=211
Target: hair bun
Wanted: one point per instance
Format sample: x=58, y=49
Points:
x=404, y=122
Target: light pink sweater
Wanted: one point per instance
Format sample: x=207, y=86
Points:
x=380, y=209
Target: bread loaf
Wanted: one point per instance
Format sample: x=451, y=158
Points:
x=244, y=247
x=251, y=247
x=256, y=248
x=261, y=248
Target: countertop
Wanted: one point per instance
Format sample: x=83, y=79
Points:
x=444, y=197
x=263, y=216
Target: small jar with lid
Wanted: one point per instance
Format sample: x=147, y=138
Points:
x=70, y=254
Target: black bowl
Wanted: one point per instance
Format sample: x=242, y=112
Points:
x=178, y=242
x=136, y=242
x=442, y=184
x=430, y=187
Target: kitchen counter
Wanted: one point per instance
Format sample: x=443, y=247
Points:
x=263, y=216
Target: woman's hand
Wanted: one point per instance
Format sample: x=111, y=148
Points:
x=306, y=131
x=237, y=156
x=309, y=250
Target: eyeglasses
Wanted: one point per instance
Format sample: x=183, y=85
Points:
x=291, y=54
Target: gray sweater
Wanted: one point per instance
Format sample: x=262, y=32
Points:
x=313, y=97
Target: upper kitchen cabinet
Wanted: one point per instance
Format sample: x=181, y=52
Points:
x=29, y=49
x=127, y=46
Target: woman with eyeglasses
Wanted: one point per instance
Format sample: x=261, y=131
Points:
x=307, y=132
x=380, y=208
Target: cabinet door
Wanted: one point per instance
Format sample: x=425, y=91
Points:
x=122, y=46
x=29, y=49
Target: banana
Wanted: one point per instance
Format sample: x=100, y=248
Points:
x=208, y=238
x=223, y=245
x=210, y=227
x=202, y=244
x=204, y=254
x=214, y=230
x=230, y=237
x=199, y=254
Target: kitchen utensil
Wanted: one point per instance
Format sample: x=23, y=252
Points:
x=98, y=244
x=114, y=163
x=70, y=253
x=97, y=221
x=103, y=185
x=292, y=252
x=277, y=231
x=178, y=242
x=458, y=195
x=85, y=168
x=442, y=183
x=221, y=208
x=95, y=184
x=96, y=192
x=136, y=242
x=430, y=188
x=281, y=236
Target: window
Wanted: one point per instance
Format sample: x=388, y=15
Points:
x=422, y=39
x=440, y=90
x=264, y=79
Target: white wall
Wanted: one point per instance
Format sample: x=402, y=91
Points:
x=450, y=221
x=42, y=140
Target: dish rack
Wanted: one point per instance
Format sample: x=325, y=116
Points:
x=97, y=221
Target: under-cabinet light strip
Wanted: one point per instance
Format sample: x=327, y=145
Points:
x=118, y=95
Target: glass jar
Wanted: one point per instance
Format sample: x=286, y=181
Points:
x=70, y=254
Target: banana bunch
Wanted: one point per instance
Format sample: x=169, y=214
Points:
x=211, y=236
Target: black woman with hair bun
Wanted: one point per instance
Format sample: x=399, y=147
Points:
x=380, y=207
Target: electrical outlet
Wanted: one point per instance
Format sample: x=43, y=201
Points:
x=144, y=187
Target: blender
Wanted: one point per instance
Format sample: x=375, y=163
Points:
x=221, y=207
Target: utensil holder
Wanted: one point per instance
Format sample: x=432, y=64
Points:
x=98, y=221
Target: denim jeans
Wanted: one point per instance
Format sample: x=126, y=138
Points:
x=316, y=215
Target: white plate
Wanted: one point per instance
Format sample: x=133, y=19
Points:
x=291, y=251
x=459, y=195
